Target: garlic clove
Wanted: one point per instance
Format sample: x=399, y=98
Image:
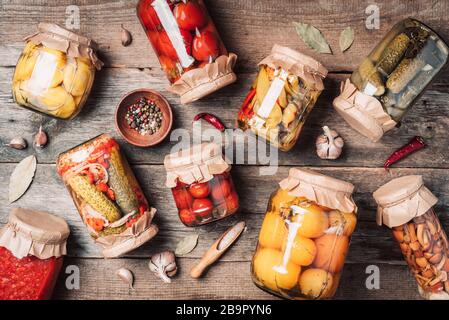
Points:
x=163, y=265
x=126, y=37
x=18, y=143
x=40, y=139
x=126, y=275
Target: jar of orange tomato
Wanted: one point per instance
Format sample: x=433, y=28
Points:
x=201, y=183
x=188, y=46
x=305, y=236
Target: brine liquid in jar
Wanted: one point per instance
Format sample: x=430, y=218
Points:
x=302, y=247
x=282, y=97
x=401, y=66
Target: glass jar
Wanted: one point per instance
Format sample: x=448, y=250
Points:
x=305, y=236
x=393, y=76
x=32, y=246
x=201, y=184
x=55, y=73
x=406, y=206
x=282, y=97
x=188, y=46
x=107, y=195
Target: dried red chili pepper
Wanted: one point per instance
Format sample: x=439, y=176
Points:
x=415, y=144
x=213, y=120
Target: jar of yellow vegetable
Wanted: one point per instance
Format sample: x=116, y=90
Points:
x=282, y=96
x=55, y=73
x=305, y=236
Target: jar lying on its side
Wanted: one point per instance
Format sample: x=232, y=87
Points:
x=32, y=246
x=201, y=184
x=390, y=80
x=188, y=46
x=406, y=206
x=305, y=236
x=282, y=96
x=107, y=195
x=55, y=72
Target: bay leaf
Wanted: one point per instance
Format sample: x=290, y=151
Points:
x=312, y=37
x=346, y=39
x=186, y=245
x=21, y=178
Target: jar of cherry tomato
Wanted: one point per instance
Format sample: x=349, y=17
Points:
x=305, y=236
x=107, y=195
x=32, y=246
x=201, y=184
x=188, y=46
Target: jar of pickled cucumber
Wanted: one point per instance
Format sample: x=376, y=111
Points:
x=282, y=96
x=188, y=45
x=201, y=183
x=107, y=195
x=390, y=80
x=55, y=73
x=407, y=207
x=305, y=236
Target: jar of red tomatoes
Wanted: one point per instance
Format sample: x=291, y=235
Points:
x=32, y=246
x=201, y=184
x=107, y=195
x=188, y=46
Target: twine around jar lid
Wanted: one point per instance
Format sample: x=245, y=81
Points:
x=196, y=164
x=324, y=190
x=56, y=37
x=36, y=233
x=403, y=199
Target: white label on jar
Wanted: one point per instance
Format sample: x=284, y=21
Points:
x=370, y=89
x=270, y=99
x=43, y=73
x=293, y=227
x=174, y=33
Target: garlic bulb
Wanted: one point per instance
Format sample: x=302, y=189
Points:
x=163, y=265
x=127, y=276
x=329, y=145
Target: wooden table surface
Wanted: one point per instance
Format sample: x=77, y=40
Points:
x=249, y=28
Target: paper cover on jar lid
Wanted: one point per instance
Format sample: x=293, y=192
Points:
x=196, y=164
x=403, y=199
x=362, y=112
x=36, y=233
x=139, y=233
x=296, y=63
x=326, y=191
x=200, y=82
x=74, y=45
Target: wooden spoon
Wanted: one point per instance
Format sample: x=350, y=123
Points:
x=217, y=249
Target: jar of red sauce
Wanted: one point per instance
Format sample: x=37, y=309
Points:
x=32, y=246
x=188, y=46
x=201, y=184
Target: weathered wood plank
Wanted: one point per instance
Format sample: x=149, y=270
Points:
x=429, y=118
x=242, y=24
x=98, y=281
x=370, y=244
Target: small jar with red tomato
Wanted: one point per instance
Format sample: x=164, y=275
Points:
x=188, y=46
x=32, y=246
x=201, y=183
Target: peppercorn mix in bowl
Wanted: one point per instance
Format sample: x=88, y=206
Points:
x=143, y=117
